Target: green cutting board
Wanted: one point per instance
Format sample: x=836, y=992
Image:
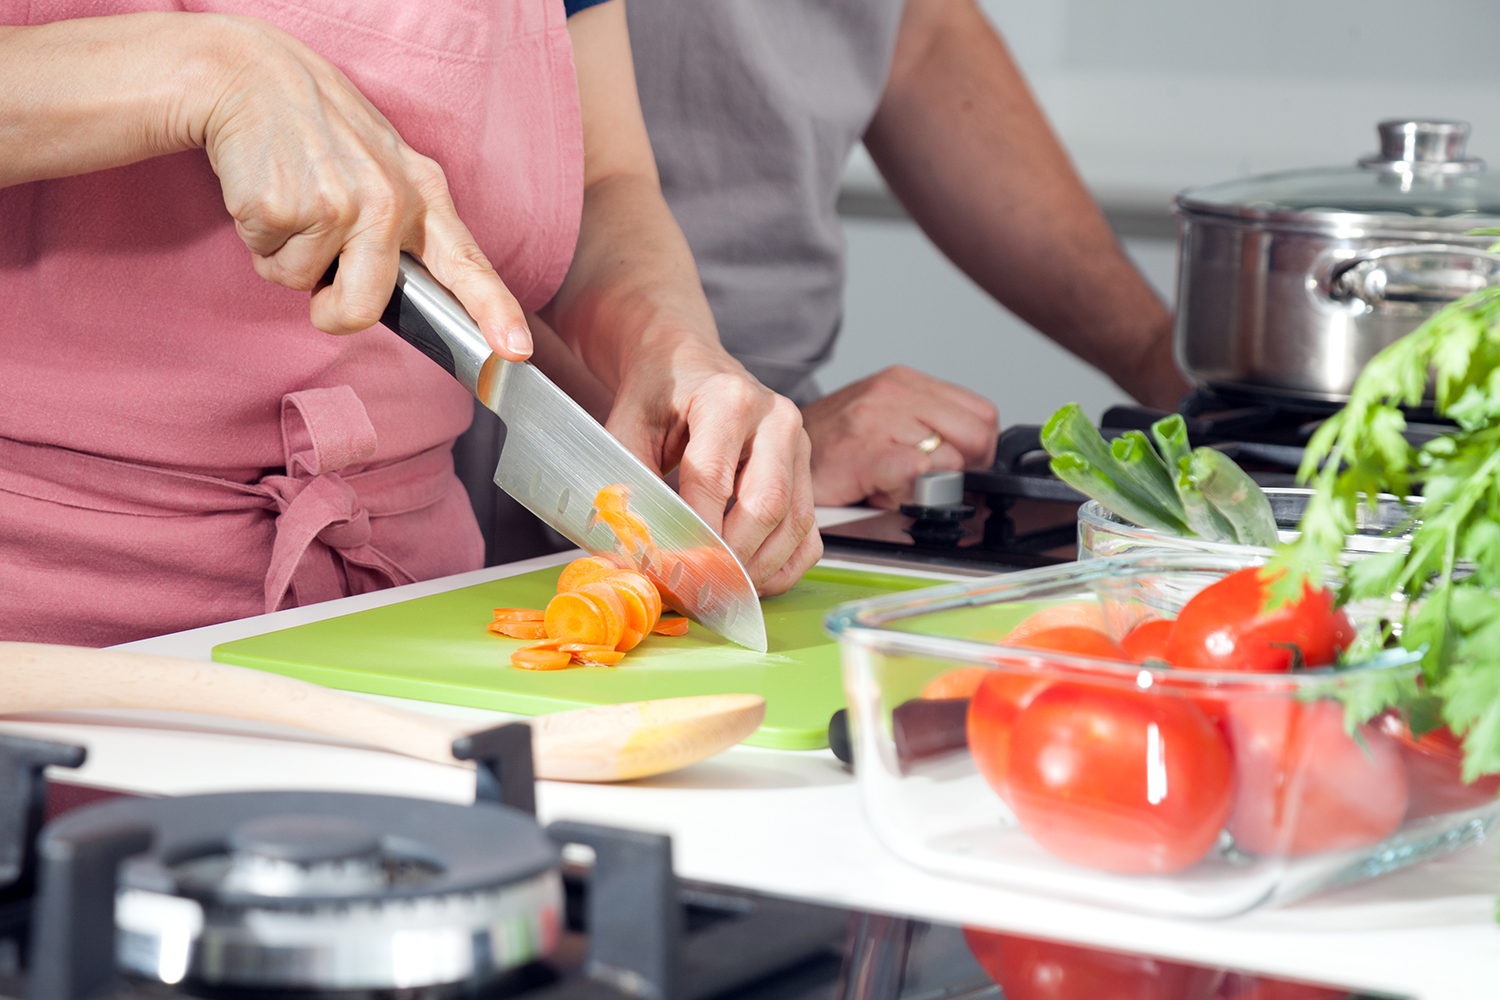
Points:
x=438, y=649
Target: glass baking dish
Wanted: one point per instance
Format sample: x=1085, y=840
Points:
x=1289, y=827
x=1101, y=532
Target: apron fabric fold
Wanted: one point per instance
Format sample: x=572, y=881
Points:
x=325, y=513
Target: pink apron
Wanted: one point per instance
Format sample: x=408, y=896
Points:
x=178, y=445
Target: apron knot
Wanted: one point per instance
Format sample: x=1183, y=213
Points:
x=322, y=548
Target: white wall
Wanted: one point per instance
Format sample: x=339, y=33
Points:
x=1151, y=96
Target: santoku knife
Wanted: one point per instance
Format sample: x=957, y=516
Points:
x=556, y=458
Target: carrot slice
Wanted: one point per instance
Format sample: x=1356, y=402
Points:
x=549, y=645
x=644, y=590
x=583, y=647
x=575, y=617
x=623, y=524
x=612, y=498
x=599, y=658
x=671, y=626
x=611, y=607
x=520, y=615
x=586, y=570
x=629, y=639
x=520, y=630
x=540, y=659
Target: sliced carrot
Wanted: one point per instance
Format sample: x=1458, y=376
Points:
x=519, y=614
x=599, y=658
x=644, y=590
x=520, y=630
x=629, y=639
x=583, y=647
x=671, y=626
x=612, y=498
x=586, y=570
x=624, y=525
x=540, y=659
x=546, y=644
x=575, y=617
x=611, y=606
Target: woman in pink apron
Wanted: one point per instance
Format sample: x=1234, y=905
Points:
x=179, y=444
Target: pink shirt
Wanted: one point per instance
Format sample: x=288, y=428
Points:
x=178, y=445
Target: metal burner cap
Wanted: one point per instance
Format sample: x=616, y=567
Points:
x=305, y=840
x=324, y=891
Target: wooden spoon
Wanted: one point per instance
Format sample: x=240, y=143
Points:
x=606, y=743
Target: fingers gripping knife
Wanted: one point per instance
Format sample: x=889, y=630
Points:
x=556, y=458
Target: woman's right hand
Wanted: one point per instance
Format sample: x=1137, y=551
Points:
x=311, y=171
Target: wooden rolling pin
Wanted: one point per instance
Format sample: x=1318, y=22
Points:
x=607, y=743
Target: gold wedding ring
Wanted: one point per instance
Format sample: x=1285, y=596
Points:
x=930, y=443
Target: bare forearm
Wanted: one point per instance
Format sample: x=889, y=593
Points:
x=93, y=93
x=964, y=146
x=632, y=291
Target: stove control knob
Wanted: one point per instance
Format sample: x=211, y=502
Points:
x=938, y=489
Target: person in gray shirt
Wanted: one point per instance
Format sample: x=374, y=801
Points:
x=753, y=107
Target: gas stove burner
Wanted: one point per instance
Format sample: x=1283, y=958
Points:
x=325, y=891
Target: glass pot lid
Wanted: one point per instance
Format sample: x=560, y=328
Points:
x=1421, y=177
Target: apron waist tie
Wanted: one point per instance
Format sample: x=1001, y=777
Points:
x=322, y=548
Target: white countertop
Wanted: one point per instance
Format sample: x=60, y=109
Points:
x=790, y=823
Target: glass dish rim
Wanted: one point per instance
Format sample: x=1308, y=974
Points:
x=864, y=622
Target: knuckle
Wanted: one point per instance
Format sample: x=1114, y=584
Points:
x=361, y=312
x=769, y=506
x=468, y=259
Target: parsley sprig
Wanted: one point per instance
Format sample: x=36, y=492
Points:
x=1449, y=577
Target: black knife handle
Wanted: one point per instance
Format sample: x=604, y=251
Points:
x=427, y=316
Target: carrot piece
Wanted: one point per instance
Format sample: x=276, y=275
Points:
x=520, y=615
x=629, y=639
x=520, y=630
x=644, y=590
x=599, y=658
x=623, y=524
x=575, y=617
x=549, y=645
x=586, y=570
x=631, y=600
x=671, y=626
x=583, y=647
x=611, y=607
x=612, y=498
x=540, y=659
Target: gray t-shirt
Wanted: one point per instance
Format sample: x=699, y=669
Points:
x=753, y=107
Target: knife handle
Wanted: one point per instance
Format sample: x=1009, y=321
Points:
x=427, y=316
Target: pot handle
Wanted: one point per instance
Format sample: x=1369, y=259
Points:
x=1416, y=274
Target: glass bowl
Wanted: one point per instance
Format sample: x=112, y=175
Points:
x=1101, y=532
x=1207, y=795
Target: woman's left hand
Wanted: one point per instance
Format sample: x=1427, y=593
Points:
x=633, y=309
x=697, y=409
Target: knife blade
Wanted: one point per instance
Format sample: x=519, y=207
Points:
x=556, y=458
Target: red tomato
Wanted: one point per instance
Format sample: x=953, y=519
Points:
x=1224, y=627
x=960, y=682
x=1078, y=639
x=1303, y=785
x=1148, y=640
x=1434, y=771
x=1002, y=694
x=1085, y=613
x=992, y=711
x=1241, y=987
x=1119, y=780
x=1028, y=969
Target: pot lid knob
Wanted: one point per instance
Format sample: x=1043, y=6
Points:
x=1433, y=145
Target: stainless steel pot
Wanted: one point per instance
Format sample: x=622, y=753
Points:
x=1288, y=283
